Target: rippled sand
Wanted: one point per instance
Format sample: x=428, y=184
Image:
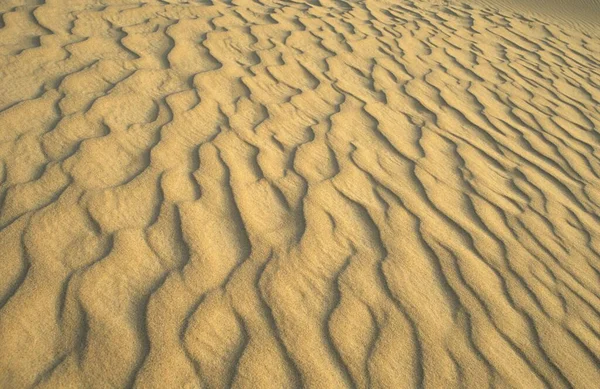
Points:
x=280, y=194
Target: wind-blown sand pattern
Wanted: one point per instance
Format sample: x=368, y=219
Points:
x=279, y=194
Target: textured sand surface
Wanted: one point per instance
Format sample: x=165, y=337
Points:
x=280, y=194
x=578, y=14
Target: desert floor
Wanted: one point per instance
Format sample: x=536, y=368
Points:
x=286, y=193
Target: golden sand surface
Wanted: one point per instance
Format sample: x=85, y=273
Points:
x=286, y=193
x=582, y=15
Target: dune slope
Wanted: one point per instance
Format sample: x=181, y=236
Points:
x=582, y=15
x=278, y=194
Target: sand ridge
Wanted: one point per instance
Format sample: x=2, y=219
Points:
x=277, y=194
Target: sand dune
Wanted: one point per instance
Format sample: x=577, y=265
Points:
x=582, y=15
x=280, y=193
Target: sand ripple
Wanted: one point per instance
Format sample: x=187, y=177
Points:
x=278, y=194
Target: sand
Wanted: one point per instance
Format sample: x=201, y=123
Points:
x=281, y=194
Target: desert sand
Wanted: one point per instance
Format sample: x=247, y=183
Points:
x=286, y=193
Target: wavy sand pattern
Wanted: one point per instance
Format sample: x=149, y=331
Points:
x=278, y=194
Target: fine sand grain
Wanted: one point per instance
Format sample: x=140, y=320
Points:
x=286, y=193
